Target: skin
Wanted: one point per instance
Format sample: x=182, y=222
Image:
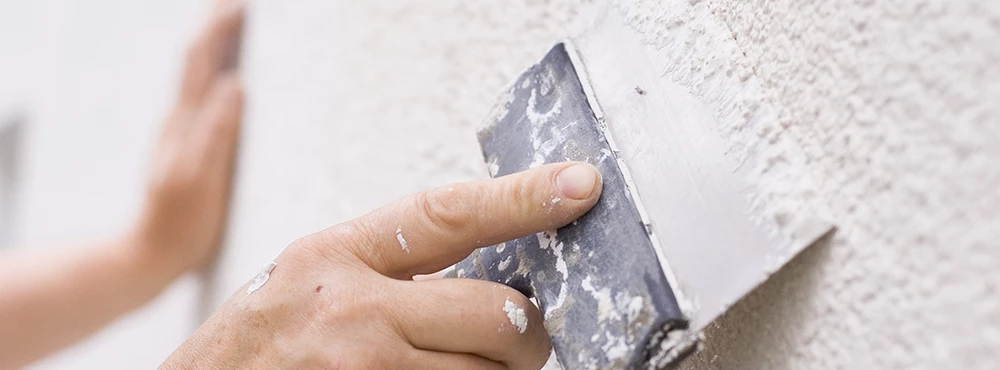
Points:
x=344, y=298
x=51, y=300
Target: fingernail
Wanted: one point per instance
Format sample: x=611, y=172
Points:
x=577, y=181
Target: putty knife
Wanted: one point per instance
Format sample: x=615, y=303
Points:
x=672, y=242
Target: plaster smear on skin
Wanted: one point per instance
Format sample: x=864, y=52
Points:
x=516, y=316
x=262, y=276
x=402, y=241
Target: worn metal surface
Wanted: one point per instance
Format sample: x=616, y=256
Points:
x=606, y=300
x=707, y=214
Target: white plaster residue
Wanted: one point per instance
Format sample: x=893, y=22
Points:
x=547, y=241
x=560, y=300
x=402, y=241
x=505, y=263
x=492, y=166
x=556, y=200
x=262, y=277
x=539, y=118
x=615, y=348
x=516, y=316
x=605, y=305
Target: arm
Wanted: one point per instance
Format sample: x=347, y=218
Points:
x=51, y=300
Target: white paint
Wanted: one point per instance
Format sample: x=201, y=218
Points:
x=262, y=277
x=516, y=316
x=402, y=241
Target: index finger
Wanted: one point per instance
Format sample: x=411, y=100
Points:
x=429, y=231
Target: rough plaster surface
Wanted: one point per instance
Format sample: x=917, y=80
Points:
x=877, y=116
x=881, y=122
x=880, y=117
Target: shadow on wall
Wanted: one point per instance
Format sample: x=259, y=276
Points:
x=752, y=334
x=10, y=139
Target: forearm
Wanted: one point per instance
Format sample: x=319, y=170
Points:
x=51, y=300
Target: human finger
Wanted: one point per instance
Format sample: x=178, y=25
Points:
x=473, y=316
x=429, y=231
x=213, y=51
x=217, y=127
x=432, y=360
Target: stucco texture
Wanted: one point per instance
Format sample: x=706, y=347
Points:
x=882, y=121
x=888, y=107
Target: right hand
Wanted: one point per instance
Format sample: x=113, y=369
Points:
x=344, y=298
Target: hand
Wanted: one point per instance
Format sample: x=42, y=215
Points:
x=344, y=298
x=188, y=196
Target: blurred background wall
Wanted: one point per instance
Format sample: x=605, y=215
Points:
x=889, y=107
x=88, y=83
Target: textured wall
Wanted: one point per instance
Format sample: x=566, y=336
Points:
x=879, y=117
x=884, y=122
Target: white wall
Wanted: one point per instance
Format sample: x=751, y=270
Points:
x=93, y=80
x=883, y=121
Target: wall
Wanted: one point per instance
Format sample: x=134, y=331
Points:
x=92, y=81
x=881, y=120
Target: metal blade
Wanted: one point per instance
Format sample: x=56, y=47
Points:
x=694, y=195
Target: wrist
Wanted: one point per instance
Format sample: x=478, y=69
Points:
x=147, y=268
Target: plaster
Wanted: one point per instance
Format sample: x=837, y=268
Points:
x=876, y=116
x=890, y=106
x=516, y=316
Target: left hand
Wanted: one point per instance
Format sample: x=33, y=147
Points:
x=188, y=197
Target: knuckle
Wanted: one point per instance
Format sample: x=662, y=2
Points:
x=521, y=195
x=325, y=245
x=443, y=210
x=354, y=240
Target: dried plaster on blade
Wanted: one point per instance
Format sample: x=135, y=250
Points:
x=733, y=200
x=516, y=316
x=262, y=276
x=547, y=241
x=539, y=119
x=588, y=90
x=700, y=53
